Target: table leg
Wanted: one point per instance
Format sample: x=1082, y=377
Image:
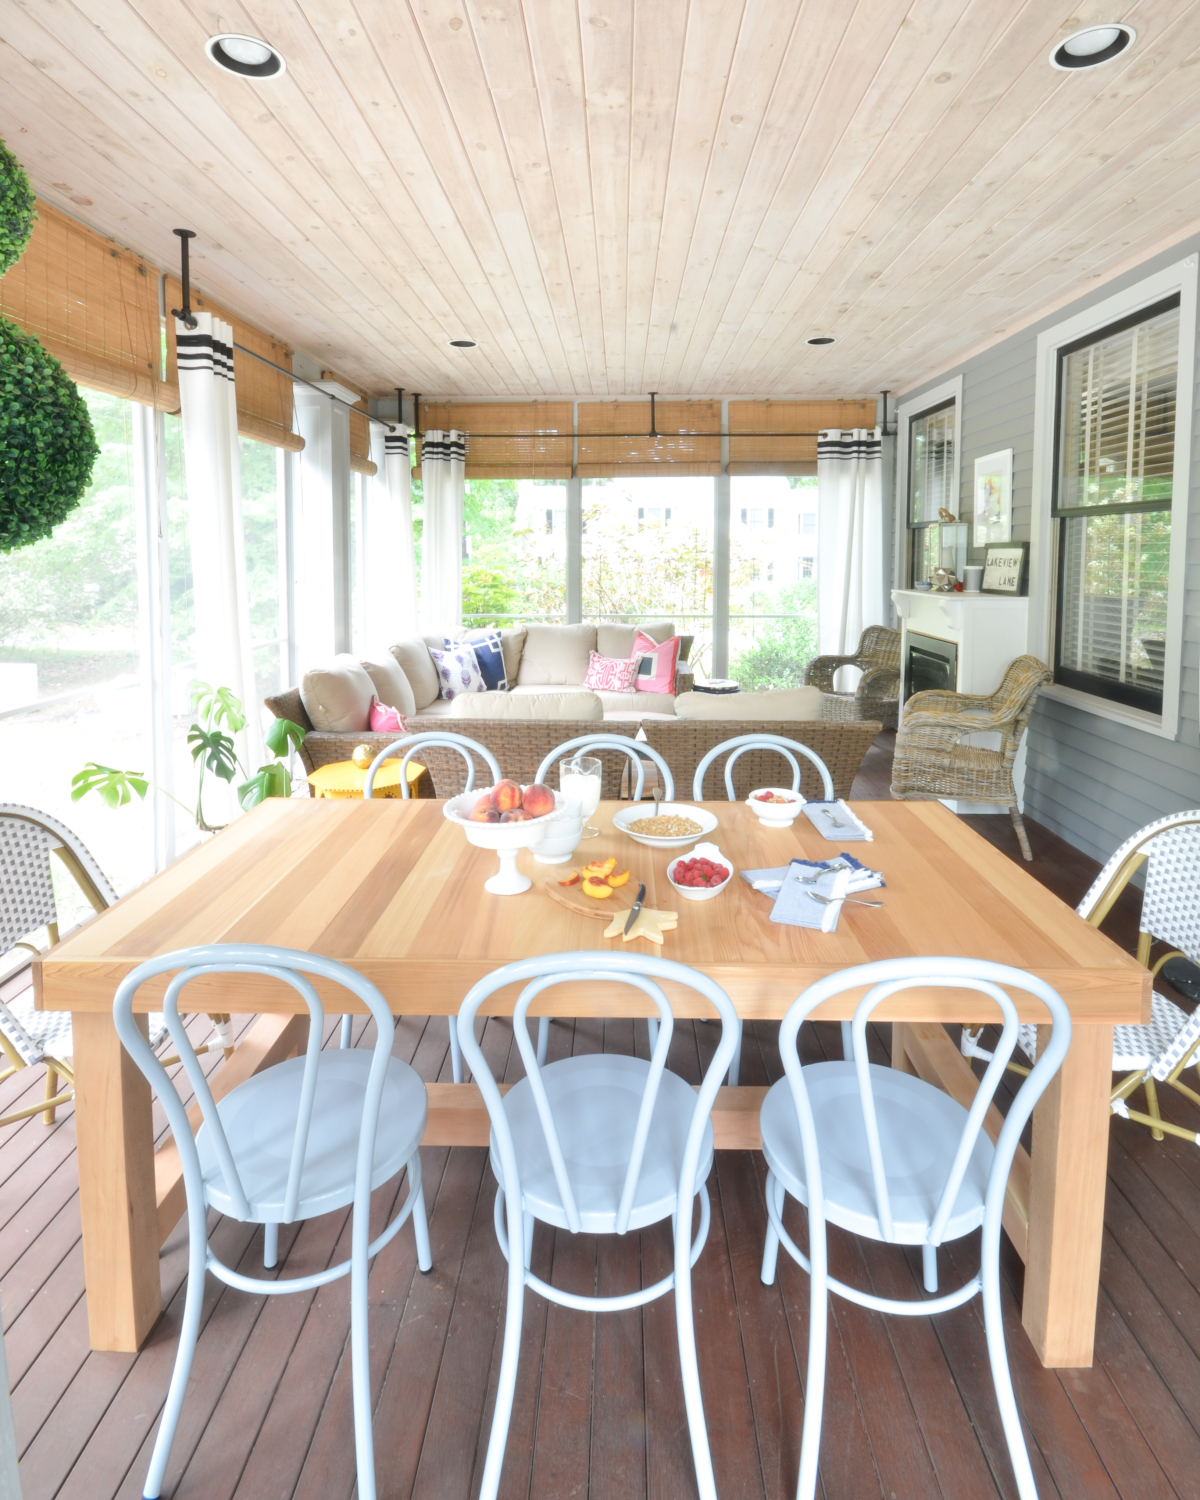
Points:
x=114, y=1139
x=1066, y=1208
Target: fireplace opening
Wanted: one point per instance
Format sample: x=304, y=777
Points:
x=930, y=664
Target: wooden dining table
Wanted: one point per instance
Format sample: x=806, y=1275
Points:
x=393, y=889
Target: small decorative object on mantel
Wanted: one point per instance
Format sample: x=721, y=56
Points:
x=1004, y=567
x=946, y=515
x=943, y=579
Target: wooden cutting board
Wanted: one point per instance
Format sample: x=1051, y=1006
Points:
x=572, y=897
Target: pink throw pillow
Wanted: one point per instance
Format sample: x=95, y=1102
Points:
x=386, y=720
x=609, y=674
x=656, y=670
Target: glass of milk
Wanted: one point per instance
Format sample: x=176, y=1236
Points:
x=579, y=781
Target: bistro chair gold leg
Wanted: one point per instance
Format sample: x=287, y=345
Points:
x=51, y=1090
x=1152, y=1107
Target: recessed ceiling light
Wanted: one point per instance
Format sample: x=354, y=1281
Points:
x=822, y=338
x=246, y=56
x=462, y=343
x=1092, y=46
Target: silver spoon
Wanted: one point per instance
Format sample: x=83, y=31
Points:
x=831, y=900
x=837, y=822
x=657, y=793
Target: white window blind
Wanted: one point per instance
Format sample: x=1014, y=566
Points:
x=1113, y=492
x=933, y=467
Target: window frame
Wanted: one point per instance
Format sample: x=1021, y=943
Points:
x=907, y=412
x=1052, y=343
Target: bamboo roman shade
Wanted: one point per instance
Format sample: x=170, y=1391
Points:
x=689, y=441
x=540, y=447
x=92, y=305
x=264, y=397
x=753, y=449
x=360, y=427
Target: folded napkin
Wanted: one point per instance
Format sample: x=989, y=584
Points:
x=835, y=822
x=770, y=881
x=795, y=906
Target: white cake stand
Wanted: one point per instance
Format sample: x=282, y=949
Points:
x=507, y=839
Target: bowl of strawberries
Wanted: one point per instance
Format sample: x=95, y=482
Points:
x=700, y=875
x=507, y=818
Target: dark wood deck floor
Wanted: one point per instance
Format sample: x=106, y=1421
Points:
x=909, y=1414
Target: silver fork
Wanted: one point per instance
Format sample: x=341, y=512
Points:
x=832, y=900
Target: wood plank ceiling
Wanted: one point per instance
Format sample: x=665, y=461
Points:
x=618, y=196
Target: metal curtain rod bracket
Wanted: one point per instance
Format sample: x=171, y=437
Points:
x=185, y=279
x=884, y=430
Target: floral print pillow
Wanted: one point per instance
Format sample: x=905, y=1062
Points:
x=458, y=672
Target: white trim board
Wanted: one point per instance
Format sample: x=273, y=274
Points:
x=936, y=395
x=1181, y=278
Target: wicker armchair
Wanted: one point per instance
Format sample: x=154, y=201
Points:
x=878, y=694
x=932, y=759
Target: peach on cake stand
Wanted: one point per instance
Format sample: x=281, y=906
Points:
x=512, y=828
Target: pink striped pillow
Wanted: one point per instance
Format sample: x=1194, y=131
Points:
x=609, y=674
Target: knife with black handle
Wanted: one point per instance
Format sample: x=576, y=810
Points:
x=637, y=906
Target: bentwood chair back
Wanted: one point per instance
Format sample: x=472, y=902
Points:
x=893, y=1158
x=412, y=744
x=599, y=1144
x=738, y=746
x=635, y=750
x=339, y=1124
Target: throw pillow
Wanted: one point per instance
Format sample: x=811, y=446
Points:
x=386, y=720
x=656, y=669
x=489, y=654
x=458, y=672
x=607, y=674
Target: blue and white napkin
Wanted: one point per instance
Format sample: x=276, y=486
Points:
x=834, y=821
x=770, y=881
x=795, y=905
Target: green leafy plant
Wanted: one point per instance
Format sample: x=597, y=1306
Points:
x=47, y=445
x=212, y=749
x=17, y=209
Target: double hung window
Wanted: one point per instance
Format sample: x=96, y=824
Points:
x=932, y=485
x=1113, y=490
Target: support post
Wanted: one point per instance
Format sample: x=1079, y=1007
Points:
x=720, y=603
x=574, y=599
x=154, y=622
x=324, y=525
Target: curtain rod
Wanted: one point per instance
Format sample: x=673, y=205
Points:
x=300, y=380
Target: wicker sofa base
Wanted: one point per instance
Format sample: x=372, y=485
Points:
x=683, y=744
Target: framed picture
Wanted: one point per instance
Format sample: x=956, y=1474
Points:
x=1004, y=567
x=993, y=498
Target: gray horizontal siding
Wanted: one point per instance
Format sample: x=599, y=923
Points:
x=1091, y=780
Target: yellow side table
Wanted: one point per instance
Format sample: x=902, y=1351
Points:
x=344, y=779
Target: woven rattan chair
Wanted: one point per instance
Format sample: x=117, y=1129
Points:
x=1161, y=1050
x=28, y=1036
x=877, y=695
x=933, y=759
x=683, y=744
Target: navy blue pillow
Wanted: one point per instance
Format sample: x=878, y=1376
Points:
x=490, y=656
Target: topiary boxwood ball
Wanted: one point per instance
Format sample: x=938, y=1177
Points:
x=16, y=209
x=47, y=445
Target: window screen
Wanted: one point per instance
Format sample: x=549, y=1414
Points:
x=932, y=485
x=1115, y=436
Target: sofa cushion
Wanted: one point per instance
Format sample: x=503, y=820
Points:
x=417, y=665
x=392, y=687
x=611, y=674
x=635, y=704
x=617, y=640
x=529, y=705
x=656, y=663
x=780, y=703
x=556, y=655
x=338, y=696
x=458, y=672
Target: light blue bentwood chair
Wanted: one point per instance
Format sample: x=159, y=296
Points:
x=413, y=744
x=635, y=750
x=741, y=743
x=599, y=1144
x=303, y=1138
x=893, y=1158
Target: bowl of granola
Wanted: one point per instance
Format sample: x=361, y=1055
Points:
x=677, y=824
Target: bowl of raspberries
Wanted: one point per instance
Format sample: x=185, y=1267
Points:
x=700, y=875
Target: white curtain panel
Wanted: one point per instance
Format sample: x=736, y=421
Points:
x=443, y=474
x=851, y=589
x=389, y=556
x=221, y=603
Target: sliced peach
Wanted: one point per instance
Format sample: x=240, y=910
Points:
x=570, y=878
x=618, y=879
x=610, y=864
x=597, y=888
x=597, y=869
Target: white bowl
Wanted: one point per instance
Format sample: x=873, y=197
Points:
x=701, y=815
x=699, y=893
x=507, y=839
x=775, y=814
x=562, y=839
